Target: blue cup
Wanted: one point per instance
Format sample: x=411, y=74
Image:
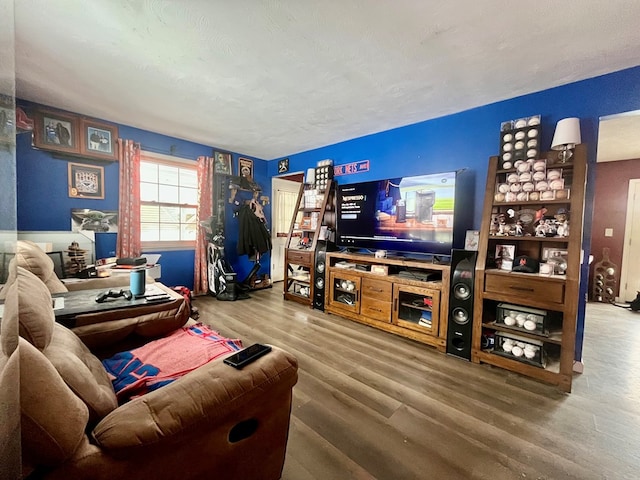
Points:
x=136, y=282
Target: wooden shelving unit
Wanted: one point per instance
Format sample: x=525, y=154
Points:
x=557, y=294
x=410, y=307
x=312, y=214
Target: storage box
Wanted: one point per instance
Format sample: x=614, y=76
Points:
x=522, y=349
x=523, y=318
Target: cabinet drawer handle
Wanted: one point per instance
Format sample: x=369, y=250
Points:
x=524, y=289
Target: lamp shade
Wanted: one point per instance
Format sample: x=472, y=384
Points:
x=311, y=176
x=567, y=134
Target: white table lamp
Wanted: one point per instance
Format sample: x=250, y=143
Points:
x=566, y=137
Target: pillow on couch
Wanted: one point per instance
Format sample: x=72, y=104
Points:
x=30, y=256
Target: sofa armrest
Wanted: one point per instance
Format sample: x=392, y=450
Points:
x=202, y=399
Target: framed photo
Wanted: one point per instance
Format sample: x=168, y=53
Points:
x=245, y=167
x=222, y=163
x=283, y=165
x=471, y=240
x=86, y=181
x=505, y=254
x=88, y=220
x=56, y=131
x=98, y=140
x=550, y=252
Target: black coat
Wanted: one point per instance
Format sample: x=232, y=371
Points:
x=253, y=236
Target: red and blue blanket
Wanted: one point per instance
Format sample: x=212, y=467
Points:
x=160, y=362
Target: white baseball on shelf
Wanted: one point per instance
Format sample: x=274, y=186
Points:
x=538, y=176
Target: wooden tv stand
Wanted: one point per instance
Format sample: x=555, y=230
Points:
x=403, y=301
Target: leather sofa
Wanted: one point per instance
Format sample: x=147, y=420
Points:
x=213, y=422
x=101, y=329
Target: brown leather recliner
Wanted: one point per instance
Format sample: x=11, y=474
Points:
x=215, y=421
x=104, y=327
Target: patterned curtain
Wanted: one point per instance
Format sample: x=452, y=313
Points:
x=205, y=210
x=128, y=244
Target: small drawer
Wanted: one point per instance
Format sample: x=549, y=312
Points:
x=298, y=257
x=377, y=289
x=525, y=286
x=377, y=309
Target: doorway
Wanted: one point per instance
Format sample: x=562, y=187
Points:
x=285, y=192
x=616, y=207
x=630, y=273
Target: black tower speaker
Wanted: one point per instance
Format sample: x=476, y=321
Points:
x=460, y=326
x=320, y=266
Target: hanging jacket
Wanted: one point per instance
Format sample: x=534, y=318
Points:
x=253, y=236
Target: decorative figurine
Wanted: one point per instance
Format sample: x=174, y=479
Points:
x=519, y=229
x=562, y=223
x=541, y=228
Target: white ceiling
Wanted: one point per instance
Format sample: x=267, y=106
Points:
x=269, y=78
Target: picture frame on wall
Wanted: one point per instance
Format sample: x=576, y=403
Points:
x=86, y=181
x=222, y=163
x=245, y=167
x=98, y=140
x=56, y=131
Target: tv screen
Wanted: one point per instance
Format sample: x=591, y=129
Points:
x=405, y=214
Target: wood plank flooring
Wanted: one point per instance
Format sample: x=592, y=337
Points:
x=371, y=405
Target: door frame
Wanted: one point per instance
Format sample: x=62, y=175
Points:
x=297, y=177
x=634, y=186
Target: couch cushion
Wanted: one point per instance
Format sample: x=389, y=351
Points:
x=82, y=371
x=35, y=309
x=9, y=323
x=53, y=419
x=79, y=368
x=31, y=257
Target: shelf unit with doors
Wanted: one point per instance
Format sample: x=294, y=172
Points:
x=407, y=297
x=526, y=322
x=314, y=215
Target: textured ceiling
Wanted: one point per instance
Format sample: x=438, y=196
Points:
x=269, y=78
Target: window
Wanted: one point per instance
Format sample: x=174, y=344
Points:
x=168, y=202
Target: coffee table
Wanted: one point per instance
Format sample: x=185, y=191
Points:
x=76, y=303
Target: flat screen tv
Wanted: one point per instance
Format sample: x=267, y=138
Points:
x=404, y=214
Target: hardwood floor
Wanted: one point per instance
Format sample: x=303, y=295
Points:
x=371, y=405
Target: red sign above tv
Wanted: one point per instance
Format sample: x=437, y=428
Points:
x=351, y=168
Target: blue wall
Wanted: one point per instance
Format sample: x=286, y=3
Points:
x=463, y=140
x=469, y=138
x=44, y=203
